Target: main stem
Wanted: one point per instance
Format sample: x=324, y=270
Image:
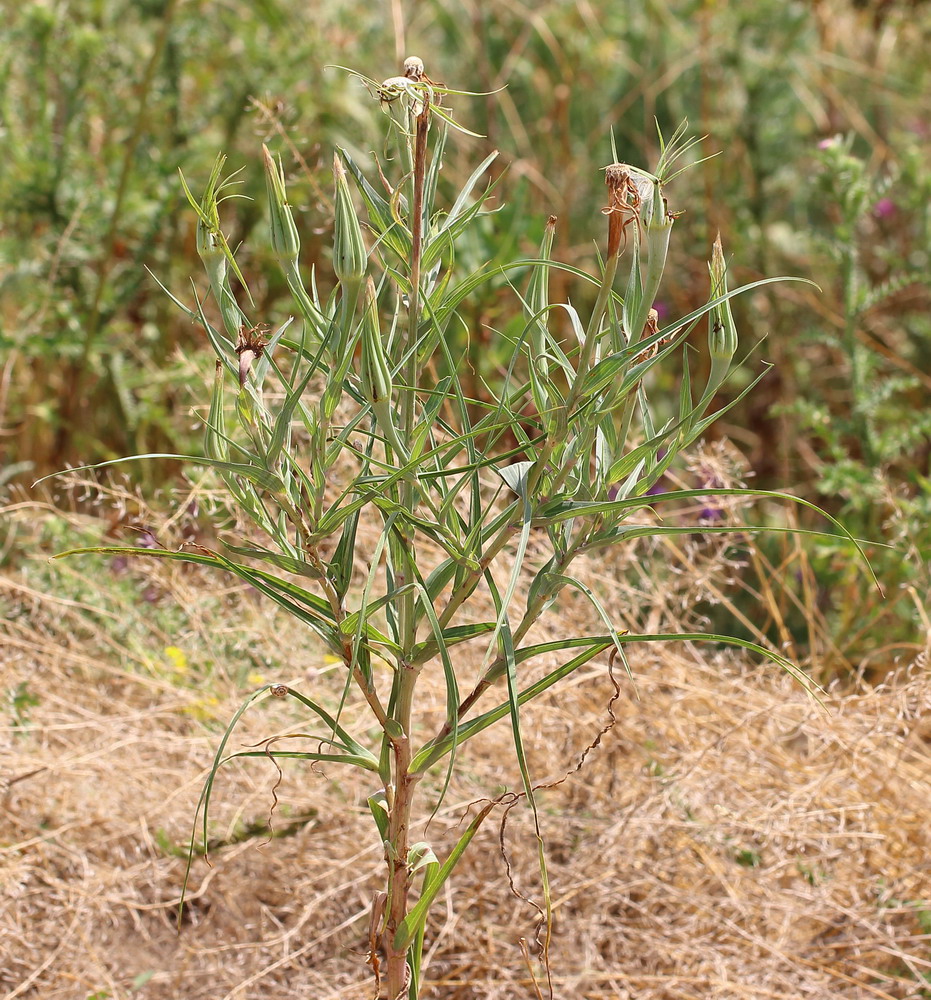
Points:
x=399, y=877
x=401, y=795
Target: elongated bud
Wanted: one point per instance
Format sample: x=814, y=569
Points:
x=375, y=373
x=209, y=241
x=285, y=241
x=374, y=370
x=214, y=252
x=210, y=250
x=350, y=259
x=538, y=296
x=722, y=331
x=216, y=263
x=658, y=229
x=722, y=337
x=216, y=443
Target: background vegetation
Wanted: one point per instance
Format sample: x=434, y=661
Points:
x=819, y=115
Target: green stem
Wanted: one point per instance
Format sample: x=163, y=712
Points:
x=593, y=332
x=530, y=616
x=461, y=594
x=296, y=516
x=401, y=803
x=855, y=354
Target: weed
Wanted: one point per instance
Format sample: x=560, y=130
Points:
x=350, y=420
x=748, y=858
x=21, y=699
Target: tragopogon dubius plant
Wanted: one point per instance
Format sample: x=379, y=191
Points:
x=352, y=414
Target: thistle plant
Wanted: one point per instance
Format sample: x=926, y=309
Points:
x=349, y=421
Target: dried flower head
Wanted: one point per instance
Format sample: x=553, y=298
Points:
x=650, y=329
x=250, y=345
x=624, y=204
x=413, y=73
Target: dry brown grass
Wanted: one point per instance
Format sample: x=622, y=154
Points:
x=713, y=761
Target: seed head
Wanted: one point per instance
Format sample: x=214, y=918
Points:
x=413, y=68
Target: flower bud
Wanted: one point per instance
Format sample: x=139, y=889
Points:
x=350, y=258
x=211, y=252
x=722, y=332
x=213, y=249
x=658, y=222
x=285, y=241
x=375, y=374
x=722, y=337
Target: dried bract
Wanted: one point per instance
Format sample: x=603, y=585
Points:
x=250, y=347
x=624, y=205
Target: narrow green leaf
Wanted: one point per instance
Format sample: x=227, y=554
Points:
x=317, y=615
x=216, y=443
x=344, y=556
x=560, y=510
x=366, y=762
x=598, y=606
x=378, y=806
x=426, y=650
x=261, y=366
x=593, y=645
x=351, y=744
x=465, y=193
x=417, y=916
x=203, y=802
x=262, y=478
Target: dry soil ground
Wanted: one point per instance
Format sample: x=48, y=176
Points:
x=728, y=838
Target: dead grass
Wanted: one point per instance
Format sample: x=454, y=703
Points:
x=728, y=839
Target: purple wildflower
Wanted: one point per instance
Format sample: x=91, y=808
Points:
x=884, y=208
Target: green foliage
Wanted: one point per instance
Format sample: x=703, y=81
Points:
x=921, y=909
x=114, y=604
x=101, y=104
x=870, y=428
x=21, y=699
